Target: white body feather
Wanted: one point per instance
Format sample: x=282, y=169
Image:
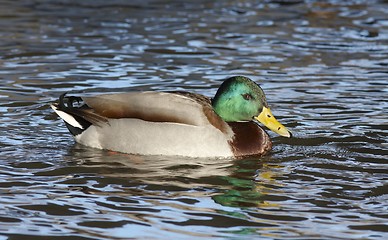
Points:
x=136, y=136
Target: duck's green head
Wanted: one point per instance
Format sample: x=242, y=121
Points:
x=240, y=99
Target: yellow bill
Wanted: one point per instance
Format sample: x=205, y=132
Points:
x=266, y=118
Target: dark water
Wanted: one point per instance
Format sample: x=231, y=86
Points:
x=323, y=65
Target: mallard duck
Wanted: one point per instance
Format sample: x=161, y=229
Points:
x=175, y=123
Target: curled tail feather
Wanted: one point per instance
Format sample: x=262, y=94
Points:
x=76, y=118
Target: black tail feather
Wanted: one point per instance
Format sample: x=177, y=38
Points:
x=82, y=113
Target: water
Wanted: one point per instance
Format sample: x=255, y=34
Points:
x=323, y=65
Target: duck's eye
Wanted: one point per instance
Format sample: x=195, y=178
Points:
x=247, y=96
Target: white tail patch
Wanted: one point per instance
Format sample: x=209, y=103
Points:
x=66, y=117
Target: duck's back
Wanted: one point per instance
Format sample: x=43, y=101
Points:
x=149, y=106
